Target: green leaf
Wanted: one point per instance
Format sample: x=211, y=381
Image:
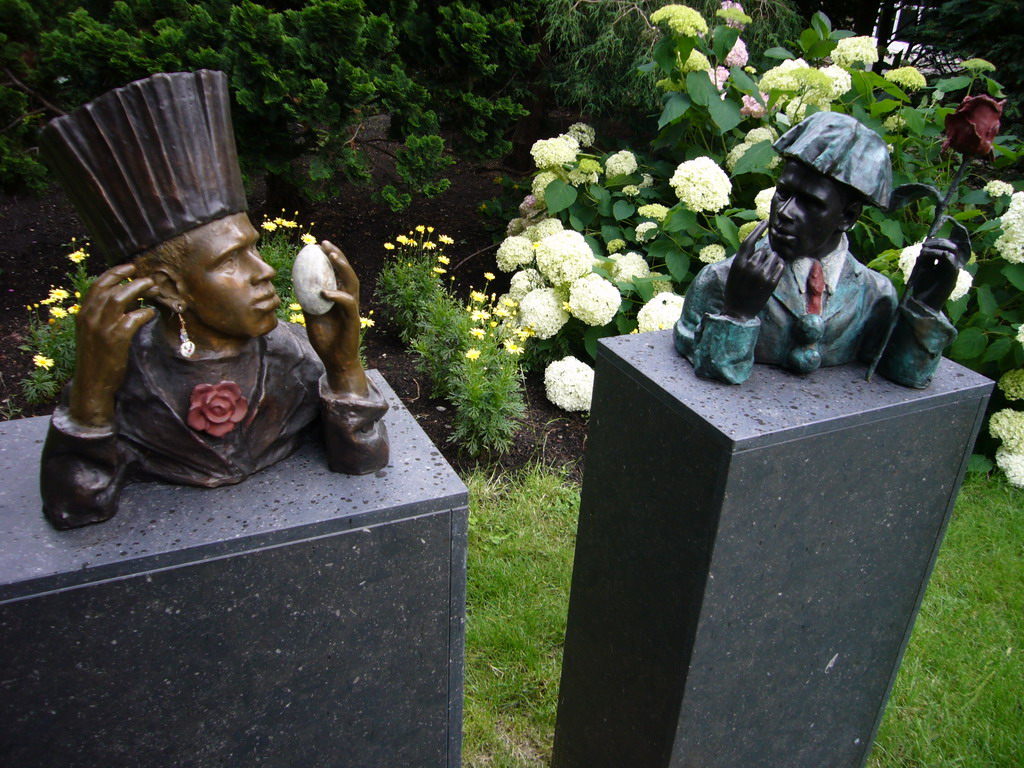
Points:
x=808, y=38
x=558, y=195
x=997, y=349
x=726, y=114
x=665, y=54
x=610, y=232
x=596, y=248
x=969, y=344
x=679, y=219
x=986, y=301
x=675, y=108
x=645, y=287
x=700, y=88
x=1015, y=274
x=623, y=209
x=883, y=107
x=821, y=24
x=725, y=39
x=728, y=230
x=908, y=193
x=755, y=158
x=953, y=83
x=779, y=53
x=592, y=334
x=915, y=119
x=820, y=49
x=979, y=463
x=678, y=264
x=891, y=229
x=603, y=198
x=743, y=81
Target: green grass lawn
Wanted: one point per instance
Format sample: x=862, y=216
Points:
x=958, y=701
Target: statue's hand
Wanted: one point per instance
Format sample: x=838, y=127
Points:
x=935, y=272
x=752, y=278
x=104, y=328
x=335, y=334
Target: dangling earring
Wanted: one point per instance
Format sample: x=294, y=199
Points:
x=187, y=348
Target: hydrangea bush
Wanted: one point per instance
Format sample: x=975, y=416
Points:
x=707, y=178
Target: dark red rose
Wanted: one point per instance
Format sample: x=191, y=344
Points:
x=216, y=408
x=972, y=128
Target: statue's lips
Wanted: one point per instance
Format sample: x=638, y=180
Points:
x=268, y=303
x=780, y=235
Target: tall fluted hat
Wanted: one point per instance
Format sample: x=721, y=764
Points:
x=842, y=148
x=148, y=161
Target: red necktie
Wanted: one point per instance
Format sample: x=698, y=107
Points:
x=815, y=288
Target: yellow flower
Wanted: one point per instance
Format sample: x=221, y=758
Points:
x=285, y=223
x=473, y=353
x=297, y=317
x=42, y=361
x=308, y=239
x=524, y=333
x=365, y=322
x=477, y=296
x=78, y=256
x=58, y=294
x=501, y=312
x=429, y=246
x=494, y=323
x=295, y=307
x=566, y=307
x=510, y=302
x=479, y=315
x=430, y=229
x=498, y=179
x=421, y=229
x=478, y=333
x=78, y=295
x=442, y=259
x=58, y=312
x=445, y=239
x=269, y=226
x=401, y=239
x=440, y=270
x=389, y=246
x=73, y=309
x=488, y=276
x=512, y=348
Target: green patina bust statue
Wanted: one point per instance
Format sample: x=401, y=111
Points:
x=205, y=386
x=794, y=296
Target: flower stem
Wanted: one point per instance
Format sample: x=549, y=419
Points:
x=943, y=204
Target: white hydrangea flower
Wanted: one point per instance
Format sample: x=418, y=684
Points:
x=645, y=231
x=655, y=211
x=540, y=183
x=696, y=62
x=964, y=280
x=855, y=50
x=514, y=252
x=660, y=313
x=594, y=300
x=577, y=176
x=710, y=254
x=564, y=257
x=763, y=203
x=628, y=266
x=681, y=19
x=583, y=134
x=701, y=185
x=746, y=229
x=631, y=190
x=523, y=282
x=1020, y=334
x=620, y=164
x=569, y=384
x=554, y=153
x=541, y=309
x=1008, y=425
x=1012, y=465
x=1012, y=384
x=907, y=78
x=537, y=232
x=782, y=76
x=660, y=286
x=840, y=80
x=1010, y=244
x=648, y=181
x=894, y=123
x=516, y=226
x=997, y=188
x=757, y=135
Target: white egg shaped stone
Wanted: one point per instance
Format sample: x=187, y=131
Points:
x=312, y=272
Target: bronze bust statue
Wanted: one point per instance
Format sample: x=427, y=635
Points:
x=208, y=387
x=794, y=296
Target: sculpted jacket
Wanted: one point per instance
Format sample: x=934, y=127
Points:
x=83, y=470
x=856, y=314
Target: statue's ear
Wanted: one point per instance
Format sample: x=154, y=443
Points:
x=169, y=289
x=851, y=214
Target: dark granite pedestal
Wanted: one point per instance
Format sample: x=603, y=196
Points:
x=750, y=559
x=301, y=618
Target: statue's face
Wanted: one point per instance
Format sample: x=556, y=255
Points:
x=227, y=284
x=809, y=213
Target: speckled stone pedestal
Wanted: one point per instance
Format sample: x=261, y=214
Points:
x=750, y=559
x=301, y=618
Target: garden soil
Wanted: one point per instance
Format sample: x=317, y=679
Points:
x=35, y=233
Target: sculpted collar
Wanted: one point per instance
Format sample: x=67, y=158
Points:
x=832, y=265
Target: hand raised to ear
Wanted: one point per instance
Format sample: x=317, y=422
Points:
x=935, y=272
x=104, y=329
x=334, y=335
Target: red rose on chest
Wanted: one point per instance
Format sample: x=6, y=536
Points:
x=216, y=408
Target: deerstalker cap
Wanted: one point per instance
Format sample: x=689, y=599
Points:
x=148, y=161
x=844, y=149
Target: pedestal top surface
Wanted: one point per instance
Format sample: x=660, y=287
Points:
x=162, y=525
x=775, y=404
